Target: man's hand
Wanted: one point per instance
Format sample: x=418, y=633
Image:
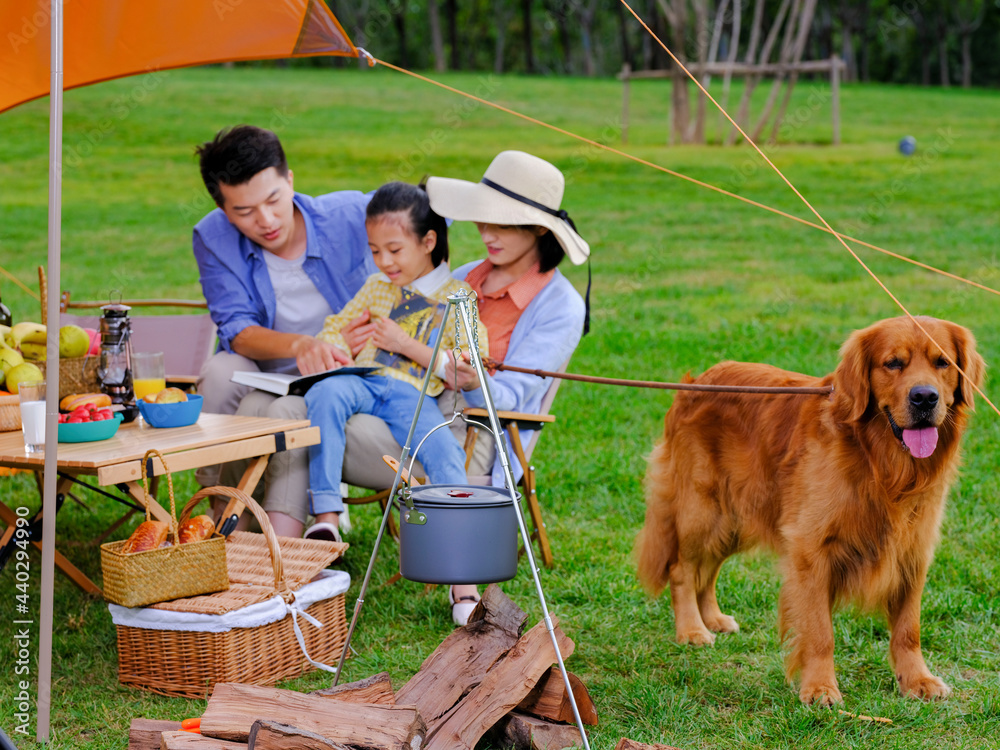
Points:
x=468, y=379
x=313, y=355
x=358, y=331
x=389, y=337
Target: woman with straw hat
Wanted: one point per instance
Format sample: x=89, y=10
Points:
x=534, y=316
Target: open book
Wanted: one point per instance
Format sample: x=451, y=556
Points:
x=287, y=384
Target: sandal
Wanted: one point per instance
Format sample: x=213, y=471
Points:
x=325, y=532
x=462, y=607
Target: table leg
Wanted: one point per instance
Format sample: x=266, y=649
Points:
x=158, y=511
x=75, y=574
x=248, y=482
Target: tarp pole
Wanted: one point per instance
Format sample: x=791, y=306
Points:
x=52, y=377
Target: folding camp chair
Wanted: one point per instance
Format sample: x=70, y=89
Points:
x=515, y=423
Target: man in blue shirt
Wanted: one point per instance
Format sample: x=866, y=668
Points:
x=273, y=264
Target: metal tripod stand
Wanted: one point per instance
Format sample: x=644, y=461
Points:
x=463, y=302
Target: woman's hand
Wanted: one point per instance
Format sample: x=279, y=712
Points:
x=389, y=337
x=468, y=379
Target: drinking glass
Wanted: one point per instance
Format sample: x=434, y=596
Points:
x=148, y=375
x=32, y=399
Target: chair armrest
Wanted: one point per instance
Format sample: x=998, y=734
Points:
x=523, y=420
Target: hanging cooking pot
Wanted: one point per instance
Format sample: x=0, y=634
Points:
x=457, y=534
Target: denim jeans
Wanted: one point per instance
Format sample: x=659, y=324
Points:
x=333, y=401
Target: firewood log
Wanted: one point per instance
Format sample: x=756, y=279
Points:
x=548, y=699
x=525, y=732
x=503, y=687
x=626, y=744
x=464, y=657
x=144, y=734
x=374, y=689
x=233, y=708
x=189, y=741
x=273, y=735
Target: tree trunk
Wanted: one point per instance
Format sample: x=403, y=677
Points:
x=437, y=41
x=452, y=11
x=399, y=19
x=675, y=12
x=734, y=44
x=623, y=31
x=587, y=37
x=749, y=82
x=529, y=46
x=696, y=132
x=966, y=61
x=805, y=23
x=787, y=48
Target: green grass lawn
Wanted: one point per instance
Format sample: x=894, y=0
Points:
x=683, y=277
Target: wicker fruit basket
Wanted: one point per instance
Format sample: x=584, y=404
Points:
x=157, y=575
x=10, y=413
x=304, y=630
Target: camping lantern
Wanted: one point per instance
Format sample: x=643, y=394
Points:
x=115, y=370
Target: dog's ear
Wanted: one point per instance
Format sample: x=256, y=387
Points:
x=852, y=378
x=969, y=361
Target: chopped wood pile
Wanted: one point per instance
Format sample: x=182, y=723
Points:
x=489, y=676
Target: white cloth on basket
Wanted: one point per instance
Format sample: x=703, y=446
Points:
x=328, y=584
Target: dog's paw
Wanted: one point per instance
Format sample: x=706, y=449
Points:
x=926, y=687
x=700, y=637
x=722, y=624
x=824, y=696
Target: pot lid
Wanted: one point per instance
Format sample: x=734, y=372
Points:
x=459, y=496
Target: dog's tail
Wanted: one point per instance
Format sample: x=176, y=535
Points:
x=656, y=545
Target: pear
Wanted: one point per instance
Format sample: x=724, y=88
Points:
x=9, y=358
x=23, y=373
x=73, y=341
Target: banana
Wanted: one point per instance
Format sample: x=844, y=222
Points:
x=32, y=333
x=4, y=330
x=33, y=351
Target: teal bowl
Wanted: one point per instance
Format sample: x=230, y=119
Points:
x=89, y=432
x=177, y=414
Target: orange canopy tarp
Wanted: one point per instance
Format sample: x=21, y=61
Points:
x=106, y=39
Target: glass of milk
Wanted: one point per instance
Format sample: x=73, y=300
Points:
x=32, y=397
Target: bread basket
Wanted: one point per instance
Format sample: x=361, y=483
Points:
x=158, y=575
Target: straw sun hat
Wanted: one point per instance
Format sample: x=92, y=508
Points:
x=518, y=189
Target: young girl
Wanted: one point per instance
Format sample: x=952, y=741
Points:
x=406, y=300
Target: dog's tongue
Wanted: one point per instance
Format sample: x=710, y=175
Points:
x=921, y=442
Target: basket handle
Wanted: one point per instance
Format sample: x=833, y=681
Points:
x=265, y=526
x=170, y=489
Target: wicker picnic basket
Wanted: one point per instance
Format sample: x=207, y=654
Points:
x=76, y=375
x=158, y=575
x=10, y=413
x=264, y=572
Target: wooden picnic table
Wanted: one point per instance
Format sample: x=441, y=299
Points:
x=213, y=439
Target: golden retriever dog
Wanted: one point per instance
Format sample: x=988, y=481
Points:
x=848, y=489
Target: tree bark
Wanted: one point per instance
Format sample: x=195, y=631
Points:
x=273, y=735
x=437, y=41
x=675, y=12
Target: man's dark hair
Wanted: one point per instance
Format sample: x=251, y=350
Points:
x=236, y=154
x=550, y=252
x=396, y=197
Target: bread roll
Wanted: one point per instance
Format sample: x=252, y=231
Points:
x=195, y=529
x=148, y=535
x=80, y=399
x=171, y=396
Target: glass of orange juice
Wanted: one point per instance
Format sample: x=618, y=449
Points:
x=148, y=375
